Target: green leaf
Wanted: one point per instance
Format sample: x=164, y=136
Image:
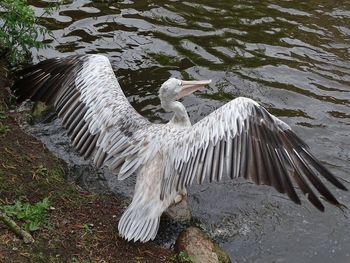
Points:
x=19, y=30
x=32, y=215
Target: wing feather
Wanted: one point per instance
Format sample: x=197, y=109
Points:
x=228, y=156
x=99, y=120
x=242, y=139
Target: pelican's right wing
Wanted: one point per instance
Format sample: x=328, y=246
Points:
x=100, y=121
x=241, y=139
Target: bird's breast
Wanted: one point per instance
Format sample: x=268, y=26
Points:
x=150, y=175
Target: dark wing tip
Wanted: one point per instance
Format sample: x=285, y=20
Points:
x=339, y=205
x=289, y=157
x=295, y=198
x=342, y=207
x=35, y=80
x=323, y=171
x=341, y=186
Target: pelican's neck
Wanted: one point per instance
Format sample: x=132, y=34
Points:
x=180, y=114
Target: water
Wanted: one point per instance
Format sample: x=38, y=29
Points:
x=290, y=56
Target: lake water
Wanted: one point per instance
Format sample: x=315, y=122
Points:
x=293, y=57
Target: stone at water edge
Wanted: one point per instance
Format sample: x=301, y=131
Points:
x=180, y=212
x=199, y=247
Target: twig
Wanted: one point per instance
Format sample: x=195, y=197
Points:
x=27, y=238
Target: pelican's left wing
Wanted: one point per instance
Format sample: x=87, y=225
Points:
x=241, y=139
x=100, y=121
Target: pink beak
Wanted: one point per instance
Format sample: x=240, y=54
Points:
x=189, y=87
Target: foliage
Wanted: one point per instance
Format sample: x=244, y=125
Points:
x=33, y=216
x=40, y=171
x=19, y=30
x=53, y=174
x=87, y=229
x=4, y=129
x=181, y=257
x=2, y=115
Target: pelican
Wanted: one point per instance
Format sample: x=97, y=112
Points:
x=240, y=139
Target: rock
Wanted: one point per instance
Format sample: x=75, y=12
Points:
x=199, y=247
x=42, y=113
x=180, y=212
x=39, y=109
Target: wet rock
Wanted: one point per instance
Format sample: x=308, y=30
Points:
x=25, y=106
x=42, y=113
x=199, y=247
x=180, y=212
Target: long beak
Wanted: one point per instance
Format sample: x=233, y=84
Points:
x=189, y=87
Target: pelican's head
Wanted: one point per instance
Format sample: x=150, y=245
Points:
x=174, y=89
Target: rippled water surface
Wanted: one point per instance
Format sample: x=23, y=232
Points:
x=291, y=56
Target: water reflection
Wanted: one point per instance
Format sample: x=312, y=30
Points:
x=291, y=56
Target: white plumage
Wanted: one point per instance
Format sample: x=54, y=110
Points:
x=240, y=139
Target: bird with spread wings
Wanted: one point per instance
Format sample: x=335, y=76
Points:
x=240, y=139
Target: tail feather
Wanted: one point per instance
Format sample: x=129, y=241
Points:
x=137, y=225
x=140, y=221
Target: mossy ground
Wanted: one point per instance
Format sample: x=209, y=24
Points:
x=81, y=225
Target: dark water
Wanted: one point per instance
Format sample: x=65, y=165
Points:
x=291, y=56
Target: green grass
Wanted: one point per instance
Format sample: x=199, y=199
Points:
x=33, y=216
x=3, y=115
x=40, y=171
x=181, y=257
x=4, y=129
x=53, y=174
x=87, y=229
x=57, y=174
